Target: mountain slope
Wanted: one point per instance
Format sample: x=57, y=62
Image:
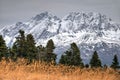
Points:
x=91, y=31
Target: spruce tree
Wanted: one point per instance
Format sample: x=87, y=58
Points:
x=66, y=58
x=72, y=56
x=95, y=61
x=12, y=54
x=3, y=48
x=20, y=45
x=115, y=62
x=31, y=49
x=50, y=56
x=14, y=50
x=63, y=60
x=50, y=46
x=76, y=60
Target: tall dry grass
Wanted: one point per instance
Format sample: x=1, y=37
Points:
x=43, y=71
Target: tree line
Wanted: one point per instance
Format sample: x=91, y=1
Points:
x=25, y=47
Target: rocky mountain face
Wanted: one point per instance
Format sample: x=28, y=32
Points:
x=90, y=31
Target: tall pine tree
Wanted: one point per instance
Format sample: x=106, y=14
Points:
x=95, y=61
x=12, y=54
x=50, y=46
x=76, y=60
x=3, y=48
x=31, y=49
x=66, y=58
x=19, y=46
x=50, y=56
x=115, y=62
x=72, y=56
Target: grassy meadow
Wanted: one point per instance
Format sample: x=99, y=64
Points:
x=43, y=71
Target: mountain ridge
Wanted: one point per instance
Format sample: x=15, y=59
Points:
x=91, y=31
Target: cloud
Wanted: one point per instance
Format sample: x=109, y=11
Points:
x=12, y=11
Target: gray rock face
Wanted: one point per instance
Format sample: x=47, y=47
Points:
x=91, y=31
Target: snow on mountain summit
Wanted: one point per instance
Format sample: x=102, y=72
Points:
x=91, y=31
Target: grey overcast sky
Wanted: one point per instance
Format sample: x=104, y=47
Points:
x=12, y=11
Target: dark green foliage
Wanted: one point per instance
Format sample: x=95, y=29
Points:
x=24, y=47
x=12, y=55
x=50, y=46
x=95, y=61
x=31, y=49
x=49, y=55
x=3, y=48
x=72, y=57
x=115, y=62
x=14, y=50
x=76, y=60
x=63, y=60
x=66, y=58
x=20, y=45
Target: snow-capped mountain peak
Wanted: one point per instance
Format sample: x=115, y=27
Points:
x=91, y=31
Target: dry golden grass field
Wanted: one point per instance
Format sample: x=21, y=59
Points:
x=43, y=71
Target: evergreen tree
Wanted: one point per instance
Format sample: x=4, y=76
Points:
x=31, y=49
x=12, y=54
x=66, y=58
x=76, y=60
x=95, y=61
x=50, y=56
x=20, y=45
x=115, y=62
x=63, y=59
x=72, y=56
x=50, y=46
x=14, y=49
x=3, y=48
